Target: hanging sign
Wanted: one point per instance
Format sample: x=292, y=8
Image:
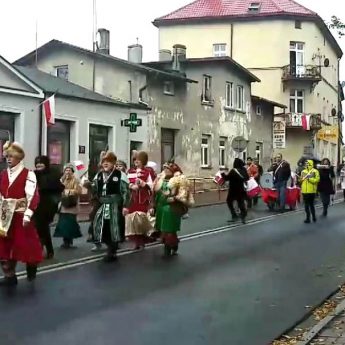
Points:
x=279, y=135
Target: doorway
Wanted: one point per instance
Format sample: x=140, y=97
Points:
x=167, y=145
x=59, y=142
x=7, y=124
x=98, y=142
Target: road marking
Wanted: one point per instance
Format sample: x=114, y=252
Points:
x=94, y=258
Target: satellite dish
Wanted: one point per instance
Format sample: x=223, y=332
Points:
x=334, y=112
x=326, y=62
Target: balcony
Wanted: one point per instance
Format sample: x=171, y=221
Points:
x=294, y=120
x=309, y=73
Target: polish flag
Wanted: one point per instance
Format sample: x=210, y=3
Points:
x=306, y=122
x=219, y=179
x=79, y=165
x=49, y=110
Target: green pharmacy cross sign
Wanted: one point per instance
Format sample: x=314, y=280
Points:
x=133, y=122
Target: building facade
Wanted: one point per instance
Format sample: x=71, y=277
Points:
x=286, y=45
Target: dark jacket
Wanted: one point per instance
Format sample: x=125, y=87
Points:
x=50, y=189
x=237, y=178
x=326, y=182
x=281, y=171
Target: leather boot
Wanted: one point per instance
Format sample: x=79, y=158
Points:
x=9, y=281
x=31, y=272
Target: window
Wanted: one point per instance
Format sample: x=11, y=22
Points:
x=254, y=7
x=258, y=151
x=167, y=144
x=169, y=88
x=7, y=126
x=205, y=151
x=297, y=58
x=296, y=101
x=206, y=89
x=229, y=95
x=298, y=24
x=258, y=110
x=219, y=49
x=62, y=72
x=240, y=98
x=222, y=146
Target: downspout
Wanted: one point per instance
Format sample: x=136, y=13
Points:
x=339, y=119
x=41, y=123
x=231, y=39
x=141, y=90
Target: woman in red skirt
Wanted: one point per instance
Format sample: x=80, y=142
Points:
x=19, y=240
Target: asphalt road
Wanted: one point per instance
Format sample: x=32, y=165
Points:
x=240, y=287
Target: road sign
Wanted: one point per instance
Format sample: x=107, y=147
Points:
x=279, y=133
x=239, y=144
x=133, y=122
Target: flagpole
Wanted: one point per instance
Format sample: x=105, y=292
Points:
x=94, y=44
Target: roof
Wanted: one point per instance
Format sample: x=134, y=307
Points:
x=29, y=59
x=227, y=60
x=217, y=10
x=54, y=85
x=234, y=8
x=224, y=59
x=261, y=99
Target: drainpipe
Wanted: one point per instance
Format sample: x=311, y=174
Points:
x=141, y=90
x=41, y=123
x=339, y=120
x=231, y=39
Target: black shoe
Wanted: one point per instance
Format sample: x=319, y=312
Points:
x=243, y=220
x=167, y=251
x=9, y=281
x=174, y=250
x=31, y=271
x=307, y=221
x=110, y=258
x=233, y=220
x=314, y=220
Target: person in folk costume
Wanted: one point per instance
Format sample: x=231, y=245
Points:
x=172, y=200
x=122, y=166
x=67, y=226
x=140, y=184
x=95, y=205
x=19, y=200
x=112, y=188
x=50, y=189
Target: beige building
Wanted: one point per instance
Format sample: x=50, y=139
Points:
x=286, y=45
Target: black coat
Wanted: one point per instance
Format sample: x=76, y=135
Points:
x=326, y=182
x=236, y=183
x=50, y=189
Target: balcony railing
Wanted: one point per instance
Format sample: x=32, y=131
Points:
x=294, y=120
x=302, y=72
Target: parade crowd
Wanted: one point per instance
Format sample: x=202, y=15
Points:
x=134, y=204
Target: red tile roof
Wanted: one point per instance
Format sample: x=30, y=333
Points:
x=216, y=9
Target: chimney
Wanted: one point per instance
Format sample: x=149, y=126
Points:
x=135, y=53
x=165, y=55
x=103, y=41
x=179, y=55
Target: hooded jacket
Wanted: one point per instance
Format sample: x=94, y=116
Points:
x=310, y=178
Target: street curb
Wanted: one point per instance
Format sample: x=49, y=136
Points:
x=311, y=334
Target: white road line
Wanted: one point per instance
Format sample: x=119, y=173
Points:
x=94, y=258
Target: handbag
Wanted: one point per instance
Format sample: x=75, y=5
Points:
x=179, y=208
x=69, y=201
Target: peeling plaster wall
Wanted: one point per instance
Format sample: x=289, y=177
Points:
x=191, y=120
x=261, y=132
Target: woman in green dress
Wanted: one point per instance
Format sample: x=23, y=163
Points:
x=169, y=208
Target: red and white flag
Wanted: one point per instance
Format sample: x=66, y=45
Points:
x=219, y=179
x=49, y=110
x=79, y=165
x=306, y=122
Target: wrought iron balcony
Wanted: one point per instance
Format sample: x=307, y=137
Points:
x=310, y=73
x=294, y=120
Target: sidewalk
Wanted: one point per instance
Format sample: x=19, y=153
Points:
x=333, y=333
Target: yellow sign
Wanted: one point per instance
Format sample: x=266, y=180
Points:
x=329, y=133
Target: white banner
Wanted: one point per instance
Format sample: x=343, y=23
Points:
x=279, y=134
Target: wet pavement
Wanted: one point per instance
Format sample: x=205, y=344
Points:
x=239, y=287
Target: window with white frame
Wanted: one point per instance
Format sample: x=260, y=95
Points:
x=229, y=95
x=254, y=7
x=207, y=89
x=222, y=152
x=296, y=101
x=240, y=98
x=169, y=88
x=205, y=151
x=219, y=49
x=62, y=72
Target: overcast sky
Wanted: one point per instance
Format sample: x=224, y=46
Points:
x=71, y=21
